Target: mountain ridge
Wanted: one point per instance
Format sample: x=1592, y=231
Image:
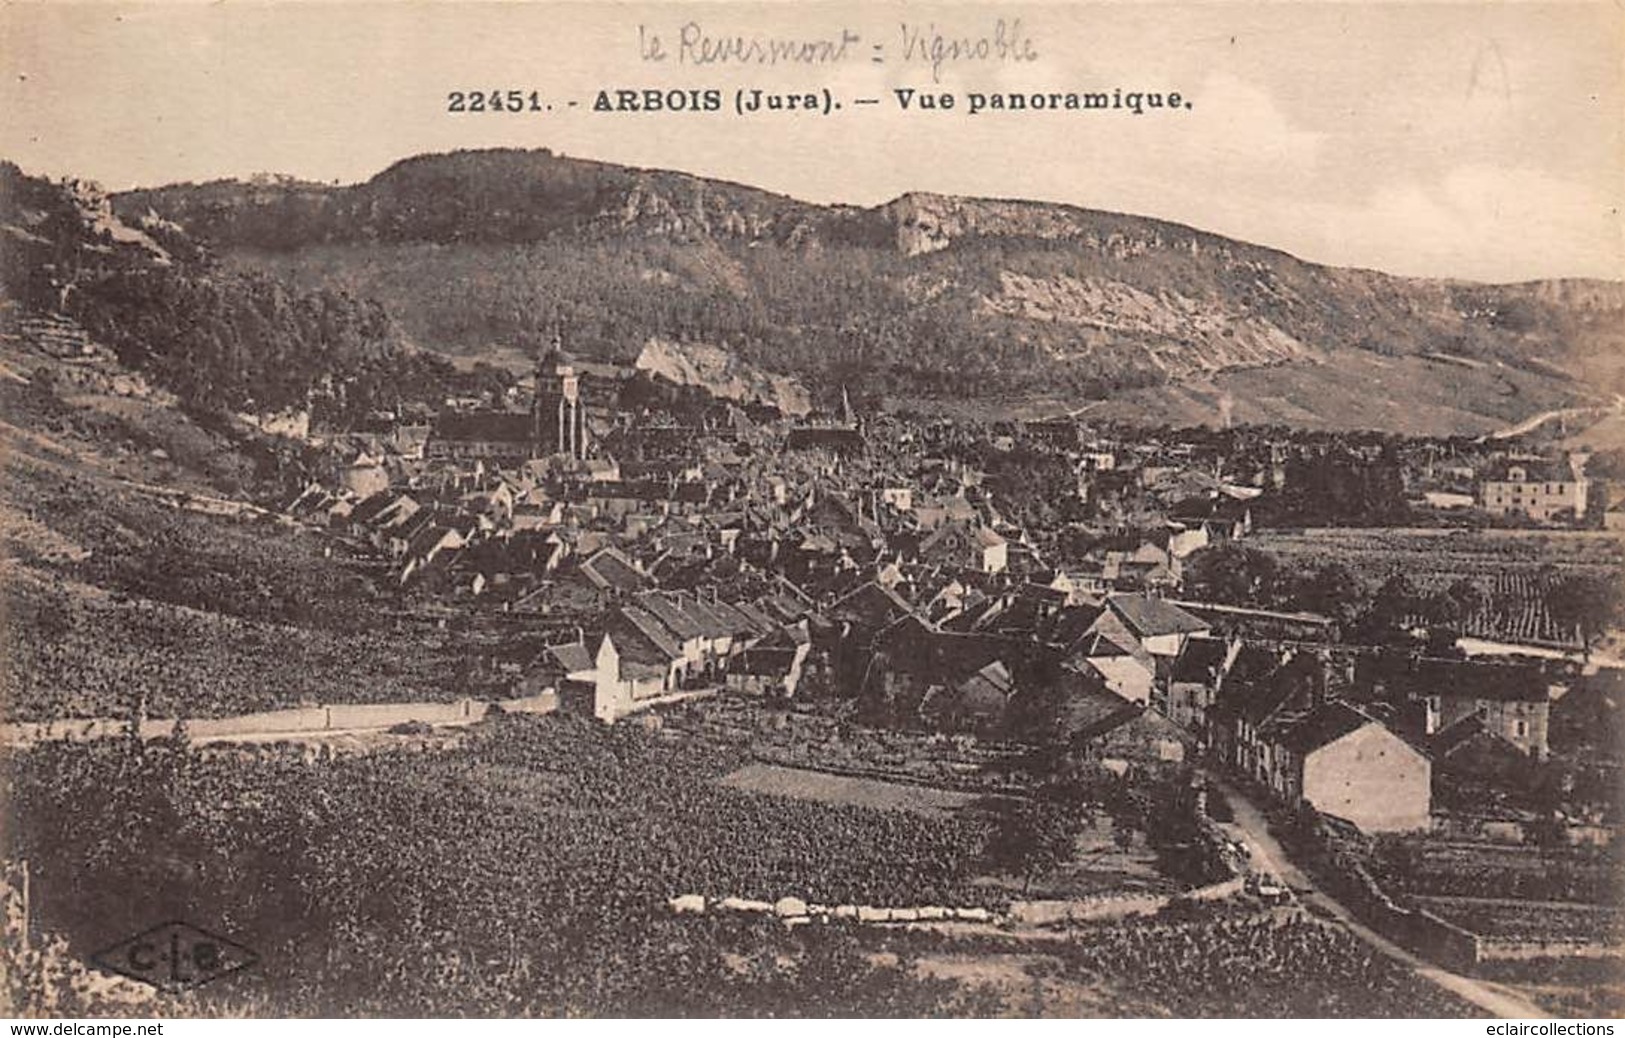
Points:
x=924, y=296
x=267, y=183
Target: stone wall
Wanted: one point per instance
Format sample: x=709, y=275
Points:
x=279, y=723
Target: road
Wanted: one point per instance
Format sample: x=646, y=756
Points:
x=1534, y=422
x=1270, y=857
x=197, y=502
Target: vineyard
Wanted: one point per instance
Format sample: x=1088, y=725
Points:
x=526, y=873
x=1426, y=866
x=1517, y=609
x=72, y=651
x=1437, y=557
x=1517, y=571
x=1507, y=919
x=1238, y=967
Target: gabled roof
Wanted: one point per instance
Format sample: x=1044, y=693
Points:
x=611, y=569
x=1591, y=714
x=987, y=537
x=760, y=621
x=1021, y=614
x=1253, y=663
x=1099, y=645
x=1324, y=726
x=651, y=630
x=371, y=505
x=1199, y=660
x=1454, y=737
x=385, y=508
x=676, y=619
x=982, y=695
x=765, y=661
x=1073, y=623
x=915, y=647
x=977, y=614
x=1090, y=709
x=870, y=605
x=709, y=615
x=787, y=637
x=572, y=657
x=1117, y=636
x=487, y=426
x=1536, y=470
x=1252, y=701
x=431, y=535
x=1151, y=617
x=993, y=679
x=781, y=608
x=1470, y=679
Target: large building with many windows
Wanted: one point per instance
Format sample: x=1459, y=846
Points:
x=1540, y=490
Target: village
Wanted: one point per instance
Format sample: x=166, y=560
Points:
x=593, y=517
x=1039, y=584
x=1402, y=652
x=1107, y=672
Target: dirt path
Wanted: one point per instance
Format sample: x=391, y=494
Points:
x=1271, y=857
x=194, y=502
x=1536, y=421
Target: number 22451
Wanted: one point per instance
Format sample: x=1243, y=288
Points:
x=494, y=101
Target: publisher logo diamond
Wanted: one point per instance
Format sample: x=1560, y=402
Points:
x=174, y=957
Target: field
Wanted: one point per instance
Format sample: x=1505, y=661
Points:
x=1351, y=389
x=72, y=650
x=1565, y=987
x=1217, y=961
x=1606, y=434
x=822, y=787
x=115, y=600
x=526, y=871
x=1433, y=867
x=1434, y=557
x=1518, y=938
x=1516, y=569
x=1532, y=920
x=1110, y=850
x=824, y=738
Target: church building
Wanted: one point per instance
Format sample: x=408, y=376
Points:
x=559, y=413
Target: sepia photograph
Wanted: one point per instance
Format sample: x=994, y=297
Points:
x=716, y=510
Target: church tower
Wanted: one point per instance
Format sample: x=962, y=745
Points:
x=560, y=419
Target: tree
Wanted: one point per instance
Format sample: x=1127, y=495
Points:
x=1234, y=573
x=1394, y=606
x=1589, y=605
x=1333, y=590
x=1467, y=599
x=1032, y=839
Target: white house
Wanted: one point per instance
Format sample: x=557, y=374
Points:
x=1348, y=764
x=1160, y=626
x=1540, y=490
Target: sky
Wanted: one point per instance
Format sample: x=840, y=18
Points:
x=1477, y=140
